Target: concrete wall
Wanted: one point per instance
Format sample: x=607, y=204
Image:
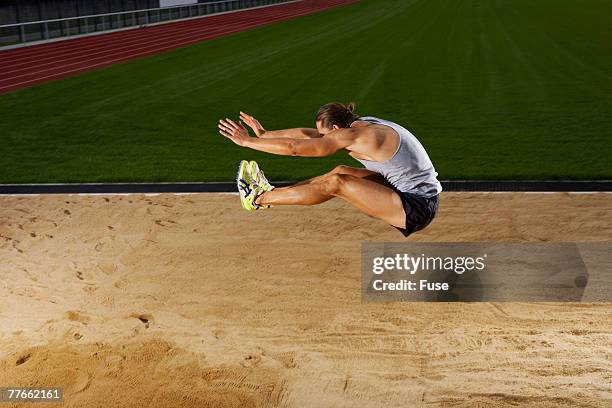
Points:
x=168, y=3
x=13, y=11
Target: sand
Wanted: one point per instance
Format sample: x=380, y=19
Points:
x=187, y=300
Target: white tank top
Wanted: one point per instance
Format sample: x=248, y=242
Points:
x=409, y=170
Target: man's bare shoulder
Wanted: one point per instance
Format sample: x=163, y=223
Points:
x=367, y=129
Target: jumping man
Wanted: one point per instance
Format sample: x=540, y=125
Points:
x=398, y=184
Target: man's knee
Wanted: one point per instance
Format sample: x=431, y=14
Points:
x=341, y=169
x=336, y=183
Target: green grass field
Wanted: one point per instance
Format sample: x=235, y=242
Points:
x=506, y=89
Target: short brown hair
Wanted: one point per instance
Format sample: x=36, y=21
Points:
x=336, y=113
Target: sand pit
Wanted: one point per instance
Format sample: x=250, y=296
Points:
x=180, y=301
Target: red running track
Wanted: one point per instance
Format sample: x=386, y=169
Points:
x=26, y=66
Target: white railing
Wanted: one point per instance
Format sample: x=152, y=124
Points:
x=81, y=25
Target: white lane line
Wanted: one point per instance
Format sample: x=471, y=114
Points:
x=130, y=53
x=111, y=48
x=91, y=36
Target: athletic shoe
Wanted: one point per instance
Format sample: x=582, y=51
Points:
x=258, y=177
x=243, y=180
x=248, y=189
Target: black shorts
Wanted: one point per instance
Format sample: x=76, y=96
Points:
x=420, y=211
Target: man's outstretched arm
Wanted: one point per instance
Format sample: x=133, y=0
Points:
x=318, y=147
x=295, y=133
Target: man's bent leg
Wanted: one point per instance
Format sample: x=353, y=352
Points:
x=369, y=196
x=317, y=194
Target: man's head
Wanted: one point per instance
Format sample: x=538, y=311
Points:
x=335, y=115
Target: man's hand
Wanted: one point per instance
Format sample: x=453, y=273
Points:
x=235, y=132
x=253, y=124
